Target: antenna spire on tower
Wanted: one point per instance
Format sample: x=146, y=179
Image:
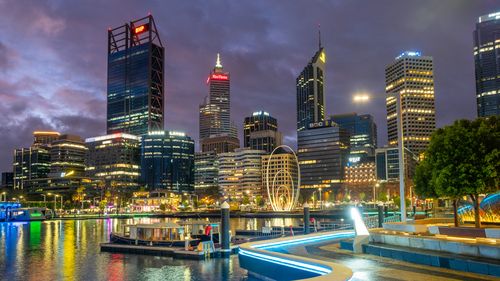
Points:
x=319, y=35
x=217, y=63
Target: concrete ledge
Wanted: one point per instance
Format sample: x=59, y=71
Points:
x=433, y=258
x=462, y=246
x=261, y=261
x=405, y=227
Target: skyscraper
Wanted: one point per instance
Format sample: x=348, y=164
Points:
x=260, y=132
x=310, y=91
x=323, y=151
x=114, y=160
x=167, y=161
x=363, y=134
x=487, y=63
x=135, y=78
x=410, y=81
x=215, y=112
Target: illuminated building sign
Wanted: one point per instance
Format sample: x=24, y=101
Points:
x=326, y=123
x=409, y=54
x=354, y=159
x=219, y=77
x=140, y=29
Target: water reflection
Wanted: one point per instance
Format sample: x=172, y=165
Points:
x=69, y=250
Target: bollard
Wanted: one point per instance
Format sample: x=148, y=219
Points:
x=224, y=239
x=380, y=215
x=306, y=218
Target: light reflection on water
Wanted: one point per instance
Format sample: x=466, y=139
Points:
x=69, y=250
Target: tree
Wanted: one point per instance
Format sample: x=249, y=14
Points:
x=462, y=160
x=245, y=200
x=362, y=196
x=382, y=196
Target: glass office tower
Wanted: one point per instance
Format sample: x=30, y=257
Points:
x=310, y=85
x=487, y=64
x=135, y=78
x=167, y=161
x=260, y=132
x=363, y=134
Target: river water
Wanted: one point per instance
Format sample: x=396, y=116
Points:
x=69, y=250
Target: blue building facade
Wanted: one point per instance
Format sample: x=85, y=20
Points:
x=167, y=161
x=135, y=78
x=487, y=64
x=363, y=135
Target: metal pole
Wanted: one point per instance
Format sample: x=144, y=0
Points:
x=224, y=236
x=401, y=158
x=380, y=215
x=306, y=219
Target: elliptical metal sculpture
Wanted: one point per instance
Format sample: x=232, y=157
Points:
x=283, y=198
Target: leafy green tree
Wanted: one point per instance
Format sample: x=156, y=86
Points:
x=245, y=200
x=362, y=196
x=382, y=196
x=462, y=160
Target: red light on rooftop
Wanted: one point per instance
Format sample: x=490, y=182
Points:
x=140, y=29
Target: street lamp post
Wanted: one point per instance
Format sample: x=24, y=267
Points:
x=44, y=200
x=399, y=118
x=320, y=199
x=374, y=192
x=55, y=198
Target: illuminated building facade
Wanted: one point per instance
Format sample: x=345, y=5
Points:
x=135, y=78
x=167, y=161
x=30, y=164
x=283, y=171
x=215, y=112
x=67, y=157
x=363, y=135
x=310, y=85
x=220, y=143
x=410, y=78
x=240, y=174
x=260, y=132
x=44, y=138
x=206, y=172
x=114, y=159
x=361, y=178
x=323, y=151
x=487, y=64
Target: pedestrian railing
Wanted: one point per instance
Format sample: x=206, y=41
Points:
x=371, y=221
x=394, y=218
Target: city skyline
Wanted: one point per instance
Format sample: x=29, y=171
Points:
x=81, y=107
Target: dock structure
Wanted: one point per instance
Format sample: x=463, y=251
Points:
x=175, y=252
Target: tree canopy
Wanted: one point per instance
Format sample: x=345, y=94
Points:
x=462, y=160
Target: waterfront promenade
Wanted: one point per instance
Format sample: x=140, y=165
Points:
x=369, y=267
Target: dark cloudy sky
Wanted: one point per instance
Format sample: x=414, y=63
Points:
x=53, y=58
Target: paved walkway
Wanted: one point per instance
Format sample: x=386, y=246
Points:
x=369, y=267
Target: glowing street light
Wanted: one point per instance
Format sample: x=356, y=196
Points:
x=361, y=98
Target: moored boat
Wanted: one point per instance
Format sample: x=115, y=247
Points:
x=30, y=214
x=164, y=234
